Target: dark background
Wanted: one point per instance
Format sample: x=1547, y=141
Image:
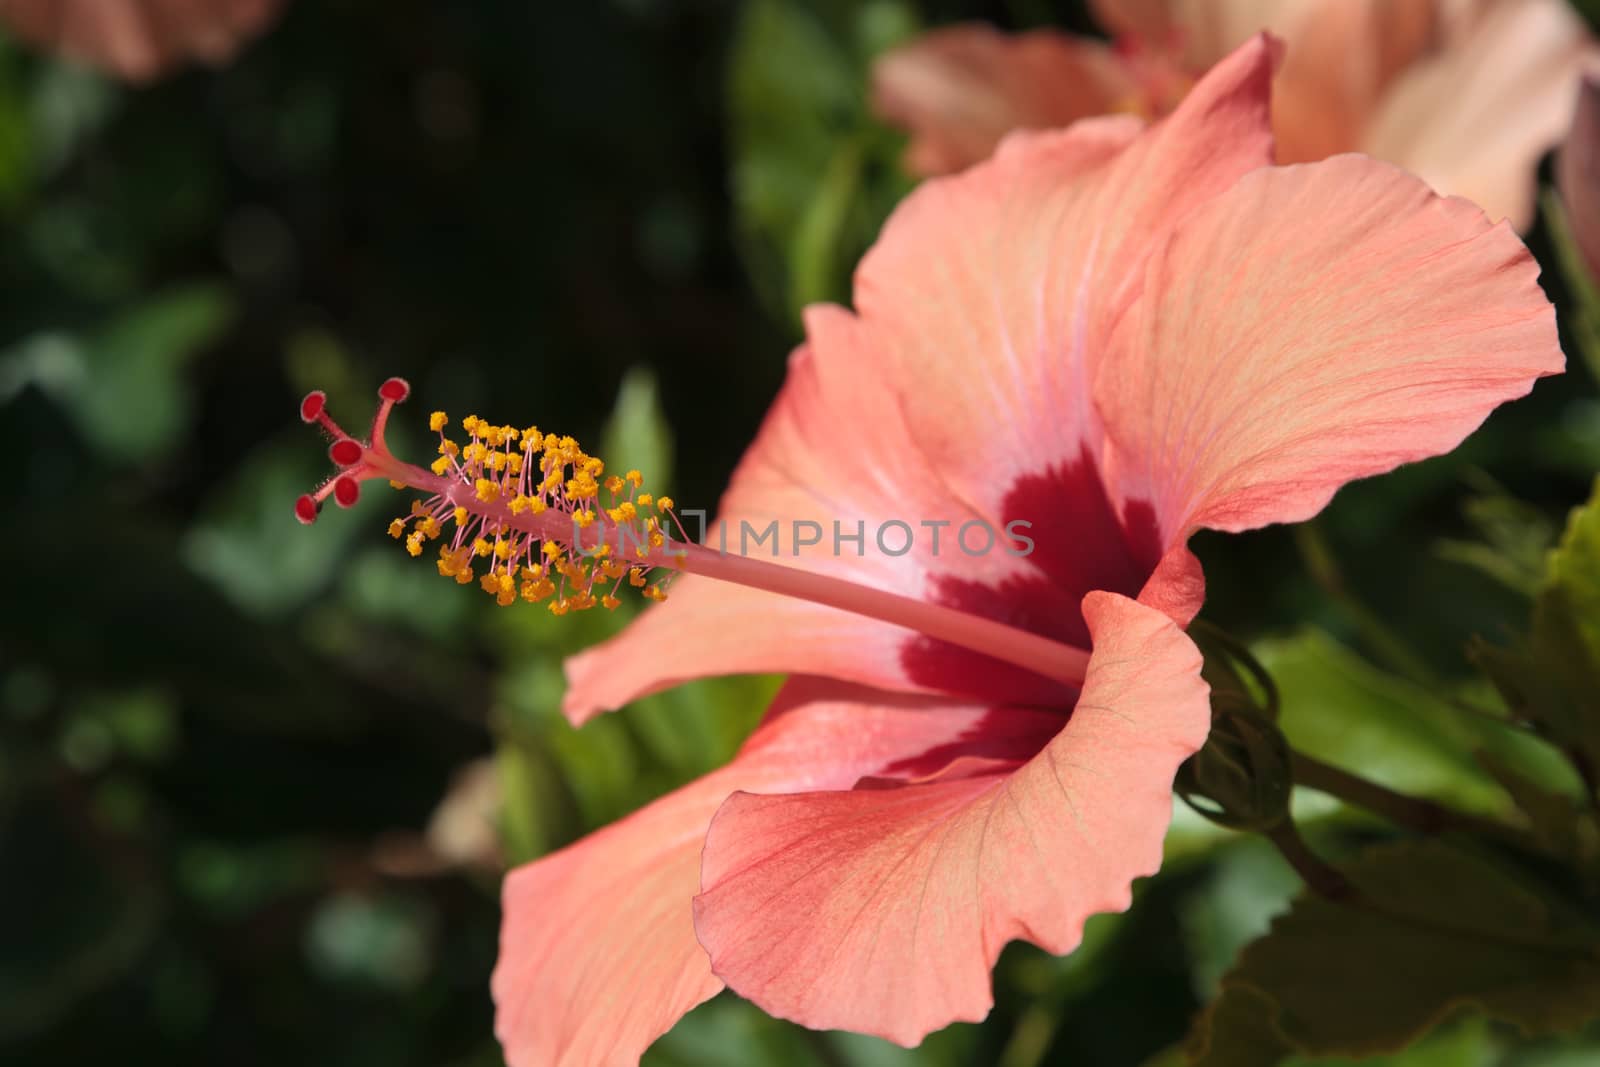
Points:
x=224, y=738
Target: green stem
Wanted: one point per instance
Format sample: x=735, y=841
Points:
x=1320, y=877
x=1414, y=813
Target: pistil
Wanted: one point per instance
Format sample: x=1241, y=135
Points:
x=547, y=538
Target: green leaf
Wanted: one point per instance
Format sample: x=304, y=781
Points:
x=1562, y=825
x=1339, y=708
x=1553, y=679
x=1430, y=932
x=1573, y=577
x=637, y=435
x=1470, y=1044
x=248, y=544
x=122, y=383
x=813, y=174
x=1515, y=537
x=1246, y=885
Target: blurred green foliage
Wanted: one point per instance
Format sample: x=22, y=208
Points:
x=242, y=812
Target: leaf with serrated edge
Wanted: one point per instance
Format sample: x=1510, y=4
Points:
x=1442, y=932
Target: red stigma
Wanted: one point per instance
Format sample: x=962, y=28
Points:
x=357, y=459
x=346, y=452
x=312, y=405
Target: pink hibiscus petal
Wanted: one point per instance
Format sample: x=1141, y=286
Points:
x=598, y=955
x=1341, y=56
x=138, y=39
x=835, y=450
x=1274, y=358
x=1138, y=18
x=1475, y=120
x=990, y=294
x=959, y=393
x=960, y=89
x=883, y=910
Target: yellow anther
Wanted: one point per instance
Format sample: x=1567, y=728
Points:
x=402, y=486
x=564, y=478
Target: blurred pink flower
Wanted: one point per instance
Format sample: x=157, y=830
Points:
x=1468, y=94
x=1120, y=335
x=1578, y=174
x=139, y=39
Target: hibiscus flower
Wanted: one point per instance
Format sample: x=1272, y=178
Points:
x=1060, y=364
x=139, y=39
x=1119, y=335
x=1469, y=94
